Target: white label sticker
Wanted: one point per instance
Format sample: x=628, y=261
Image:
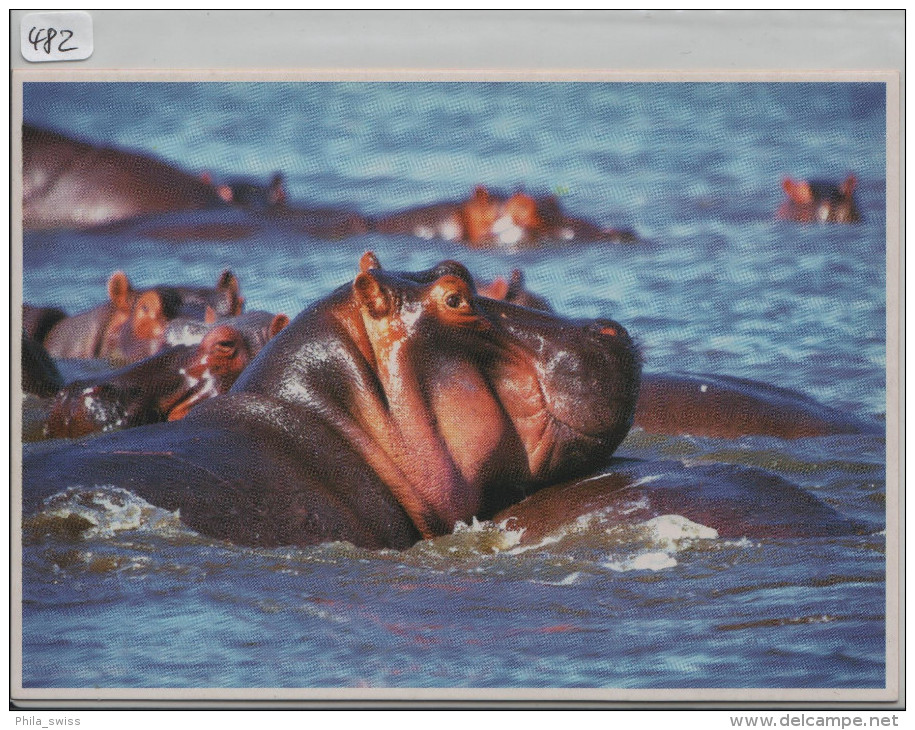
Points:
x=65, y=36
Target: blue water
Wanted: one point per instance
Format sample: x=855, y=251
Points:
x=718, y=287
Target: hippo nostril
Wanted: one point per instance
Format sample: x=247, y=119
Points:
x=609, y=328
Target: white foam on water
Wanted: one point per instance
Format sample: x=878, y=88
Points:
x=506, y=538
x=670, y=531
x=108, y=509
x=549, y=540
x=644, y=561
x=567, y=581
x=666, y=536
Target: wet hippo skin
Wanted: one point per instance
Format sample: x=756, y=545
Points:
x=735, y=501
x=257, y=328
x=40, y=375
x=130, y=326
x=162, y=387
x=397, y=406
x=727, y=407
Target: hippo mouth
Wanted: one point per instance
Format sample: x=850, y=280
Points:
x=571, y=399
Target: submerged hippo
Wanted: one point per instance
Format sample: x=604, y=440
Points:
x=40, y=375
x=732, y=501
x=130, y=326
x=820, y=202
x=249, y=193
x=390, y=410
x=722, y=406
x=71, y=184
x=487, y=219
x=163, y=387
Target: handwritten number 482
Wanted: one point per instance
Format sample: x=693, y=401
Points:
x=45, y=41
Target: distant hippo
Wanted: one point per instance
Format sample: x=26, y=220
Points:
x=252, y=207
x=487, y=219
x=514, y=291
x=130, y=326
x=820, y=202
x=71, y=184
x=392, y=409
x=251, y=194
x=162, y=387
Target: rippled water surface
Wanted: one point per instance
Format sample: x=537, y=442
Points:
x=718, y=286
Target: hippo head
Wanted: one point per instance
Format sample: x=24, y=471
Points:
x=212, y=369
x=517, y=395
x=256, y=327
x=223, y=300
x=820, y=202
x=136, y=327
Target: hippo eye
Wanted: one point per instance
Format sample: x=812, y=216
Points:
x=225, y=348
x=454, y=300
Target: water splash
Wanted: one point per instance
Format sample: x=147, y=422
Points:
x=663, y=536
x=101, y=511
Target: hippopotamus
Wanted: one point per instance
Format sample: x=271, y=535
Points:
x=391, y=410
x=489, y=219
x=71, y=184
x=723, y=406
x=733, y=501
x=249, y=193
x=131, y=324
x=223, y=300
x=38, y=321
x=513, y=290
x=257, y=328
x=820, y=202
x=163, y=387
x=40, y=375
x=250, y=208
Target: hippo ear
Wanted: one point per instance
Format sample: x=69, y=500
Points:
x=799, y=192
x=119, y=290
x=369, y=261
x=228, y=283
x=517, y=279
x=497, y=290
x=848, y=187
x=277, y=189
x=372, y=295
x=277, y=325
x=209, y=315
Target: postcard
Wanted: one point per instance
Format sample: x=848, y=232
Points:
x=357, y=386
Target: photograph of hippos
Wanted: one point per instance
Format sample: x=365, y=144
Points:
x=119, y=190
x=404, y=403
